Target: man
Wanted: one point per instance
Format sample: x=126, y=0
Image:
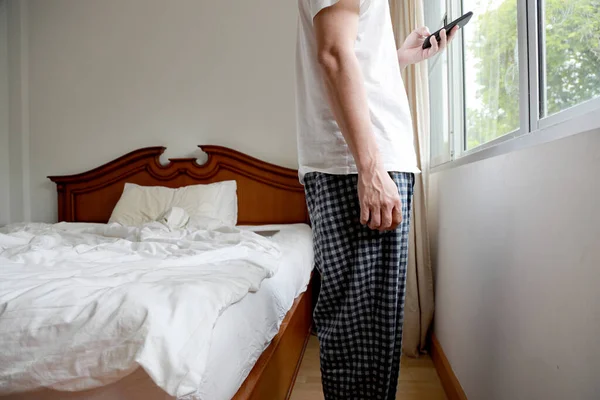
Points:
x=357, y=159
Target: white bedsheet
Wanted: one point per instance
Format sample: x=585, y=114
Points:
x=84, y=305
x=245, y=329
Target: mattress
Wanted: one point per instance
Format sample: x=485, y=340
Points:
x=241, y=333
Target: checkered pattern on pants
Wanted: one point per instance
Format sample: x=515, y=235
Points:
x=360, y=310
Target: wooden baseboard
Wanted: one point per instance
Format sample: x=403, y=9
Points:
x=449, y=381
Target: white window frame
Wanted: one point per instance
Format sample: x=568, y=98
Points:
x=533, y=130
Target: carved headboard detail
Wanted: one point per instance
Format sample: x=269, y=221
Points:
x=267, y=193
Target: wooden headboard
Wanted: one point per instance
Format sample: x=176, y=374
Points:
x=267, y=193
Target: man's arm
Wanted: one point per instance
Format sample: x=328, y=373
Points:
x=336, y=29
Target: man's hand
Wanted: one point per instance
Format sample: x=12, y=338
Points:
x=412, y=51
x=380, y=204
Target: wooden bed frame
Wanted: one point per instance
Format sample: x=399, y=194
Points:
x=267, y=194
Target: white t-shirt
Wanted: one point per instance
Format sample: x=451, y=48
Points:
x=321, y=146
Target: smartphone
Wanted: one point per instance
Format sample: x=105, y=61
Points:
x=462, y=21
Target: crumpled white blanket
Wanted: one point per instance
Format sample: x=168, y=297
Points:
x=175, y=218
x=82, y=305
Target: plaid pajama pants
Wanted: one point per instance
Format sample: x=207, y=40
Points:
x=360, y=310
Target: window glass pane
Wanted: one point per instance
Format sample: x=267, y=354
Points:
x=435, y=12
x=491, y=71
x=570, y=41
x=438, y=100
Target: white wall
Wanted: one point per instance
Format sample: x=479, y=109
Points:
x=107, y=77
x=18, y=110
x=516, y=247
x=4, y=127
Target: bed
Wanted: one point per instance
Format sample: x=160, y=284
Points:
x=269, y=198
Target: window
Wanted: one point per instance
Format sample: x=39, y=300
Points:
x=491, y=68
x=435, y=15
x=570, y=56
x=518, y=66
x=438, y=95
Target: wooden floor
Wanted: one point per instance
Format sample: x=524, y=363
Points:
x=418, y=378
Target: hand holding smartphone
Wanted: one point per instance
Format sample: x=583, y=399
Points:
x=462, y=21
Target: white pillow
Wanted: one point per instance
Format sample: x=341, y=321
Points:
x=142, y=204
x=216, y=201
x=139, y=205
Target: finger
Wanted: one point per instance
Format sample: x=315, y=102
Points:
x=434, y=46
x=427, y=53
x=364, y=214
x=453, y=33
x=423, y=31
x=443, y=39
x=375, y=221
x=386, y=218
x=396, y=217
